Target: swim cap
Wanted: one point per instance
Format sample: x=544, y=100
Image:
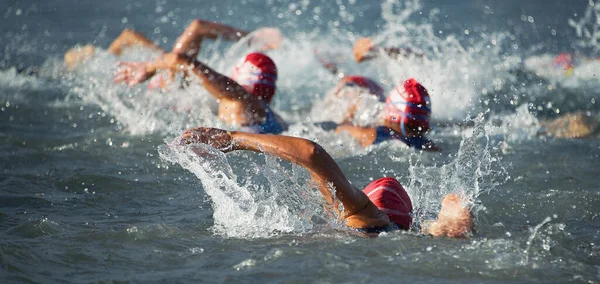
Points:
x=257, y=73
x=390, y=198
x=363, y=82
x=409, y=106
x=564, y=61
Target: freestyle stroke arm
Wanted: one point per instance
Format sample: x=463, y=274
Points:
x=322, y=168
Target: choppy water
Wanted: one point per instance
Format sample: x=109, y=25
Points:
x=90, y=191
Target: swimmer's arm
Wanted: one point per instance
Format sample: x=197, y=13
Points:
x=218, y=85
x=322, y=168
x=365, y=49
x=129, y=38
x=190, y=41
x=365, y=135
x=358, y=212
x=310, y=155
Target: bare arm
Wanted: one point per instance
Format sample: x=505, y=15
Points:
x=365, y=49
x=189, y=42
x=358, y=209
x=365, y=135
x=217, y=84
x=129, y=38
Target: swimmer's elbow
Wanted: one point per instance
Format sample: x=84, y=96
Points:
x=312, y=153
x=196, y=24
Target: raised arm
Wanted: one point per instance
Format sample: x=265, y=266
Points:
x=359, y=211
x=217, y=84
x=365, y=49
x=190, y=41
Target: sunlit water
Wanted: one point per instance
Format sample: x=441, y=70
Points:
x=93, y=189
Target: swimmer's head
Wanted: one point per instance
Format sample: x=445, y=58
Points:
x=257, y=73
x=365, y=83
x=408, y=106
x=388, y=195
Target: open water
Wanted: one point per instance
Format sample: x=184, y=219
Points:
x=91, y=191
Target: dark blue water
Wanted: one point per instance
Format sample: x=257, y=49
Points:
x=90, y=193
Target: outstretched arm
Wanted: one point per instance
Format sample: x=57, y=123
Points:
x=365, y=49
x=189, y=42
x=217, y=84
x=359, y=211
x=129, y=38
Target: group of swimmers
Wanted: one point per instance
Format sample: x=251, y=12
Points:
x=244, y=101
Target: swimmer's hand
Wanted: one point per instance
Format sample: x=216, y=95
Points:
x=363, y=49
x=454, y=219
x=216, y=138
x=162, y=80
x=133, y=73
x=266, y=38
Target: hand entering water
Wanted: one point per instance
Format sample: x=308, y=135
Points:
x=384, y=205
x=132, y=73
x=454, y=219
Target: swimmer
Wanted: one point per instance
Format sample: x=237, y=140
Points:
x=364, y=49
x=188, y=44
x=406, y=118
x=382, y=206
x=243, y=98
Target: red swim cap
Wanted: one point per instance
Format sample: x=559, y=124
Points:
x=563, y=61
x=391, y=198
x=363, y=82
x=257, y=73
x=409, y=106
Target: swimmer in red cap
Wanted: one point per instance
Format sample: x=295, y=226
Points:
x=243, y=98
x=382, y=206
x=188, y=43
x=406, y=118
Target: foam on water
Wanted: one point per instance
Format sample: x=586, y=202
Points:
x=474, y=171
x=456, y=76
x=267, y=200
x=138, y=110
x=281, y=199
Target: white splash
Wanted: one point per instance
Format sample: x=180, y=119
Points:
x=267, y=199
